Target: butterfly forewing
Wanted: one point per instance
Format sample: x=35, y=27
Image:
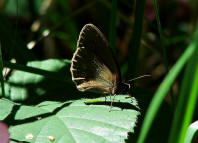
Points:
x=93, y=65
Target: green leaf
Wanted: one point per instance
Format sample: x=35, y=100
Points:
x=75, y=121
x=191, y=94
x=187, y=98
x=5, y=108
x=162, y=91
x=192, y=130
x=48, y=77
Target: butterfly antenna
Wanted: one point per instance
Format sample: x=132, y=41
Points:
x=146, y=75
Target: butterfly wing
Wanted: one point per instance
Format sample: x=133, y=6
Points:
x=94, y=66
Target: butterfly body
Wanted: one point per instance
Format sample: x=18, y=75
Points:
x=94, y=66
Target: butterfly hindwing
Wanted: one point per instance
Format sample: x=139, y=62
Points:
x=93, y=64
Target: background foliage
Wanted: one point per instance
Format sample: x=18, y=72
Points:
x=153, y=37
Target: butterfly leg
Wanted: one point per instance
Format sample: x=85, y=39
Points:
x=110, y=96
x=112, y=102
x=110, y=93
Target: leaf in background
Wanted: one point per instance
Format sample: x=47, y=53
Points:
x=66, y=27
x=187, y=98
x=15, y=8
x=23, y=8
x=75, y=121
x=22, y=85
x=162, y=91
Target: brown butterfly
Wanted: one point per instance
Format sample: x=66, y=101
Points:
x=94, y=67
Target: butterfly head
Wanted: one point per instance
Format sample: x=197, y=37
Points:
x=123, y=88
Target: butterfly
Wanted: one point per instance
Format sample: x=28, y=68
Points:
x=94, y=66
